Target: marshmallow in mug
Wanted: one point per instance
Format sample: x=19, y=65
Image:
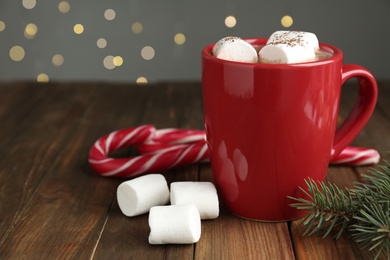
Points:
x=235, y=49
x=285, y=47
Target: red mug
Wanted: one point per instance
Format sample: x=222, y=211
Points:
x=271, y=126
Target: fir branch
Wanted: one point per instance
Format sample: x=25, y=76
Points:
x=363, y=211
x=330, y=208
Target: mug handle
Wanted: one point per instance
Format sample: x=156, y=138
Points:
x=362, y=110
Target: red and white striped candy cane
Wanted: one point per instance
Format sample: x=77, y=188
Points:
x=175, y=148
x=164, y=149
x=357, y=156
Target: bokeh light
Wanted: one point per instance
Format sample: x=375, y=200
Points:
x=230, y=21
x=29, y=4
x=137, y=27
x=57, y=60
x=64, y=7
x=101, y=43
x=2, y=26
x=180, y=39
x=78, y=29
x=141, y=80
x=109, y=14
x=43, y=78
x=286, y=21
x=17, y=53
x=30, y=31
x=108, y=62
x=118, y=61
x=147, y=53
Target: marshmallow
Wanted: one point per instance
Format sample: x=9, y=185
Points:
x=202, y=194
x=235, y=49
x=289, y=47
x=137, y=196
x=175, y=224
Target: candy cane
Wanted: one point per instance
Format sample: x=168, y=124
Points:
x=164, y=149
x=357, y=156
x=176, y=147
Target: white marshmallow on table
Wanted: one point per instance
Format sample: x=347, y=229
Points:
x=137, y=196
x=286, y=47
x=202, y=194
x=175, y=224
x=235, y=49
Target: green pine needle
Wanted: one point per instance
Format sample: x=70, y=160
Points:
x=373, y=227
x=330, y=208
x=363, y=211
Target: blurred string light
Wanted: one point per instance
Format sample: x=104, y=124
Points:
x=101, y=43
x=57, y=60
x=286, y=21
x=110, y=62
x=137, y=27
x=147, y=53
x=109, y=14
x=64, y=7
x=118, y=61
x=78, y=28
x=230, y=21
x=42, y=78
x=29, y=4
x=16, y=53
x=2, y=26
x=30, y=31
x=180, y=39
x=141, y=80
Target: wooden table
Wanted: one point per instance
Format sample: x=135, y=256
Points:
x=54, y=206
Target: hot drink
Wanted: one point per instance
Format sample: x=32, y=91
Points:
x=270, y=127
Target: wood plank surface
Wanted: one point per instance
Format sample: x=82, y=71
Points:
x=54, y=206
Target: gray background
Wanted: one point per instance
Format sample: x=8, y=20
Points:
x=360, y=28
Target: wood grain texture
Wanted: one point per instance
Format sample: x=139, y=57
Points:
x=54, y=206
x=229, y=236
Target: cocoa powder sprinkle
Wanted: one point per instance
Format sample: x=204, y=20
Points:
x=286, y=38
